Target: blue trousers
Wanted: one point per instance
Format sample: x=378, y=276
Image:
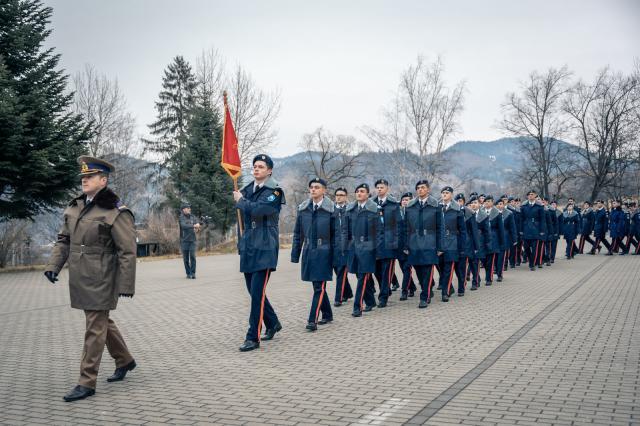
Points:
x=343, y=288
x=320, y=302
x=384, y=275
x=364, y=292
x=261, y=309
x=446, y=275
x=425, y=275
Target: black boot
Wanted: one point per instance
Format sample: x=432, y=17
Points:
x=79, y=392
x=271, y=332
x=249, y=345
x=121, y=372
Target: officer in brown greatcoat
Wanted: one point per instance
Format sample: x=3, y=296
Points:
x=98, y=239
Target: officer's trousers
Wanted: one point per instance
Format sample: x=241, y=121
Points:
x=343, y=288
x=100, y=331
x=604, y=241
x=320, y=302
x=425, y=278
x=474, y=266
x=261, y=309
x=364, y=292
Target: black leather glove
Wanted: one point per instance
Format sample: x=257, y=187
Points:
x=51, y=276
x=126, y=295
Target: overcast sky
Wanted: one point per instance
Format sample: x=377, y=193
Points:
x=337, y=63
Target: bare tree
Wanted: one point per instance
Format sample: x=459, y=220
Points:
x=104, y=106
x=422, y=117
x=606, y=124
x=335, y=158
x=254, y=112
x=210, y=74
x=12, y=234
x=535, y=114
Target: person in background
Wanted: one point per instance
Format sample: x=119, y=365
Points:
x=189, y=225
x=570, y=223
x=343, y=288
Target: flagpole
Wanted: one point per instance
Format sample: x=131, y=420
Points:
x=233, y=177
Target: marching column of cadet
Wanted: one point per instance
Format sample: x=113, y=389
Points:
x=452, y=235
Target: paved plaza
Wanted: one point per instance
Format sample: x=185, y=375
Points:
x=559, y=345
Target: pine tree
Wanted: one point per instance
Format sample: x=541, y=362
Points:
x=201, y=180
x=39, y=138
x=174, y=108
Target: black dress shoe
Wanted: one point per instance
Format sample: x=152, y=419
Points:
x=271, y=332
x=412, y=293
x=539, y=266
x=324, y=321
x=121, y=372
x=336, y=304
x=488, y=283
x=553, y=260
x=460, y=294
x=79, y=392
x=382, y=305
x=445, y=298
x=193, y=276
x=548, y=263
x=532, y=269
x=368, y=308
x=249, y=345
x=423, y=304
x=474, y=287
x=188, y=277
x=356, y=313
x=499, y=279
x=403, y=296
x=311, y=326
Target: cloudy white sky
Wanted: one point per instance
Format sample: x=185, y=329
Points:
x=337, y=63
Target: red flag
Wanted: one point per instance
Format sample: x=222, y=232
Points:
x=230, y=157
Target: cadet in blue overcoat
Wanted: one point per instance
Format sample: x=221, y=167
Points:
x=340, y=252
x=533, y=228
x=484, y=240
x=510, y=237
x=471, y=244
x=408, y=287
x=600, y=227
x=497, y=238
x=635, y=228
x=362, y=217
x=259, y=203
x=455, y=233
x=515, y=252
x=390, y=221
x=617, y=227
x=424, y=237
x=570, y=221
x=587, y=222
x=314, y=238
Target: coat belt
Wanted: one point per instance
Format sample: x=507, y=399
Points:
x=83, y=249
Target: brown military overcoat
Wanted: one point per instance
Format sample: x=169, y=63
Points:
x=99, y=242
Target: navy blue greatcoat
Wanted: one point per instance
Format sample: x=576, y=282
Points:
x=534, y=221
x=313, y=236
x=341, y=235
x=497, y=231
x=570, y=225
x=424, y=231
x=600, y=224
x=454, y=232
x=363, y=237
x=390, y=221
x=260, y=210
